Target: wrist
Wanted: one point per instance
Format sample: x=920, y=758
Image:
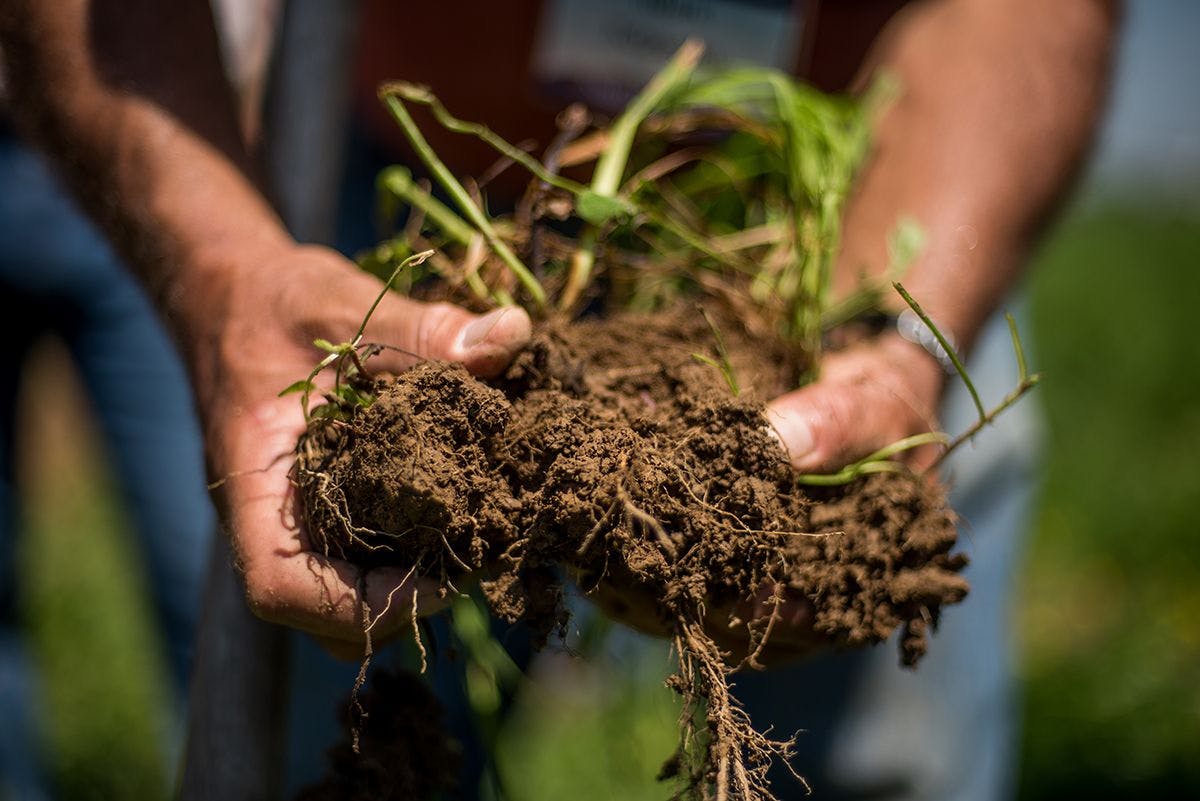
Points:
x=212, y=290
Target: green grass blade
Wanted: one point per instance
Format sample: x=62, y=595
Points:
x=460, y=196
x=958, y=365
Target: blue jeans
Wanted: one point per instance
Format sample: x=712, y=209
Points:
x=58, y=276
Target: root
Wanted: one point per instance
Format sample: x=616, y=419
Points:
x=758, y=647
x=736, y=758
x=636, y=513
x=357, y=713
x=416, y=627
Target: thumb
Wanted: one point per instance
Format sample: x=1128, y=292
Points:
x=809, y=427
x=824, y=427
x=484, y=344
x=868, y=397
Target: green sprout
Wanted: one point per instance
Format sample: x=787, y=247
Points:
x=347, y=357
x=881, y=460
x=722, y=363
x=878, y=462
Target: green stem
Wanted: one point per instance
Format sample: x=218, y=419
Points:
x=877, y=462
x=399, y=182
x=411, y=261
x=422, y=95
x=958, y=365
x=1026, y=384
x=1018, y=349
x=611, y=165
x=460, y=196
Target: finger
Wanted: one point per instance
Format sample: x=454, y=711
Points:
x=285, y=582
x=829, y=424
x=867, y=397
x=324, y=596
x=329, y=297
x=823, y=427
x=484, y=344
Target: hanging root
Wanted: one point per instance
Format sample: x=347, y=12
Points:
x=729, y=760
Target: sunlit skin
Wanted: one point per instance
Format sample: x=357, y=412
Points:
x=999, y=104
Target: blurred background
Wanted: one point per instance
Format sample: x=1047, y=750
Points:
x=1109, y=602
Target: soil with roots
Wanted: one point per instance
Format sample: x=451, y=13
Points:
x=611, y=454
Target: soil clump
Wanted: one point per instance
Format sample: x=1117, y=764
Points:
x=615, y=451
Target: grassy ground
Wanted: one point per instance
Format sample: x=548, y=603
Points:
x=1108, y=608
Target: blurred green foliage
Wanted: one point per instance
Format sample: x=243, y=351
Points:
x=1111, y=598
x=1109, y=604
x=106, y=702
x=591, y=730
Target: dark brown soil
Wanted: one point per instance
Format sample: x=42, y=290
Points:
x=610, y=450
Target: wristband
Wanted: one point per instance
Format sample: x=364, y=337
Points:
x=909, y=326
x=913, y=329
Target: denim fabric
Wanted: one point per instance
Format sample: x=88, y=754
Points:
x=58, y=276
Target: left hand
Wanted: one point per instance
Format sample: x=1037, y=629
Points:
x=869, y=395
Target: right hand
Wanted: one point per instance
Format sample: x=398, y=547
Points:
x=249, y=328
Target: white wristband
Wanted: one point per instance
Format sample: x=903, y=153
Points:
x=913, y=328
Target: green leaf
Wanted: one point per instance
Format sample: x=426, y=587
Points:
x=350, y=395
x=598, y=209
x=303, y=385
x=326, y=345
x=328, y=411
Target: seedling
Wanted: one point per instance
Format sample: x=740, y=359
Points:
x=723, y=365
x=347, y=359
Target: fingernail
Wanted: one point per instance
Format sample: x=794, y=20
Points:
x=478, y=331
x=793, y=431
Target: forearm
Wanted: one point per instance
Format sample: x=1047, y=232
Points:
x=130, y=102
x=997, y=108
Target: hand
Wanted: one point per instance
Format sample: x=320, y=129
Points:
x=254, y=340
x=868, y=396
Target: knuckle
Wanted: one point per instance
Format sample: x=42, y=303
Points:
x=431, y=328
x=438, y=330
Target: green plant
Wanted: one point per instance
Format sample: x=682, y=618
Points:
x=347, y=359
x=763, y=203
x=722, y=362
x=881, y=460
